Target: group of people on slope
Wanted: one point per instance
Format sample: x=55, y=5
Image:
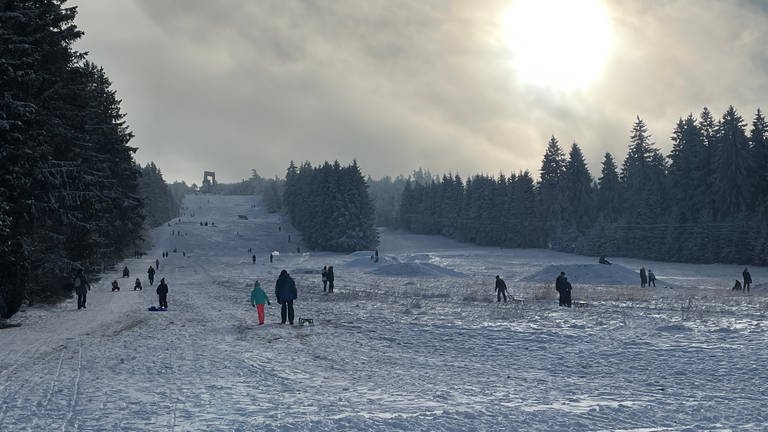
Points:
x=562, y=286
x=285, y=292
x=647, y=278
x=82, y=286
x=747, y=282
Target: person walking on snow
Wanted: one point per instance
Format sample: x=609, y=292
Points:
x=324, y=276
x=151, y=275
x=747, y=279
x=285, y=292
x=330, y=278
x=560, y=288
x=157, y=263
x=162, y=293
x=566, y=294
x=651, y=278
x=258, y=298
x=253, y=259
x=501, y=289
x=643, y=277
x=81, y=289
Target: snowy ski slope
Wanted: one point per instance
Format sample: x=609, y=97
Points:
x=415, y=342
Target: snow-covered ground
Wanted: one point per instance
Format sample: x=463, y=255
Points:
x=414, y=342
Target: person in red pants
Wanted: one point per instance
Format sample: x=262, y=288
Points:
x=258, y=298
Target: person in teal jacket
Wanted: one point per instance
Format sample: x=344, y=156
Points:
x=258, y=298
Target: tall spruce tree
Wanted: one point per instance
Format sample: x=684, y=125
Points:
x=609, y=190
x=758, y=140
x=578, y=194
x=642, y=175
x=689, y=173
x=733, y=173
x=550, y=197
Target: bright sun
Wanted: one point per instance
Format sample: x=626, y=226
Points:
x=558, y=44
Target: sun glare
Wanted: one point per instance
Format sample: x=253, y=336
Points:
x=558, y=44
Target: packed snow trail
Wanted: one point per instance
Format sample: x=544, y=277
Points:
x=392, y=351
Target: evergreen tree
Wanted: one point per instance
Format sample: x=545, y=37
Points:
x=689, y=173
x=732, y=174
x=758, y=140
x=578, y=194
x=642, y=175
x=550, y=198
x=609, y=190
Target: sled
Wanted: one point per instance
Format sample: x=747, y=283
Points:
x=5, y=325
x=157, y=309
x=580, y=303
x=306, y=321
x=516, y=300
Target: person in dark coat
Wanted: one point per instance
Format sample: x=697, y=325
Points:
x=736, y=286
x=501, y=289
x=285, y=292
x=643, y=277
x=651, y=278
x=253, y=258
x=126, y=272
x=157, y=263
x=137, y=285
x=324, y=276
x=559, y=287
x=81, y=289
x=162, y=293
x=115, y=286
x=330, y=277
x=151, y=275
x=566, y=293
x=747, y=279
x=270, y=257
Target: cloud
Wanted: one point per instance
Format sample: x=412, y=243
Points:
x=231, y=86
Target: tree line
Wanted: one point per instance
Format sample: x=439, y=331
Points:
x=69, y=187
x=330, y=206
x=706, y=201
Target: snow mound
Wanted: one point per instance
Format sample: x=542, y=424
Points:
x=365, y=261
x=414, y=269
x=593, y=274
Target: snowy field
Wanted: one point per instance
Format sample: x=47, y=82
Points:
x=415, y=342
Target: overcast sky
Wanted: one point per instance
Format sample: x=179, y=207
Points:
x=234, y=85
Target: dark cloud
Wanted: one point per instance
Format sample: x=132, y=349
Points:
x=232, y=86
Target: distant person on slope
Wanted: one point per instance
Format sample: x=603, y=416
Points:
x=651, y=278
x=331, y=278
x=559, y=287
x=747, y=279
x=566, y=294
x=151, y=275
x=137, y=285
x=324, y=276
x=81, y=289
x=285, y=292
x=115, y=286
x=162, y=293
x=126, y=272
x=501, y=289
x=258, y=298
x=736, y=286
x=643, y=277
